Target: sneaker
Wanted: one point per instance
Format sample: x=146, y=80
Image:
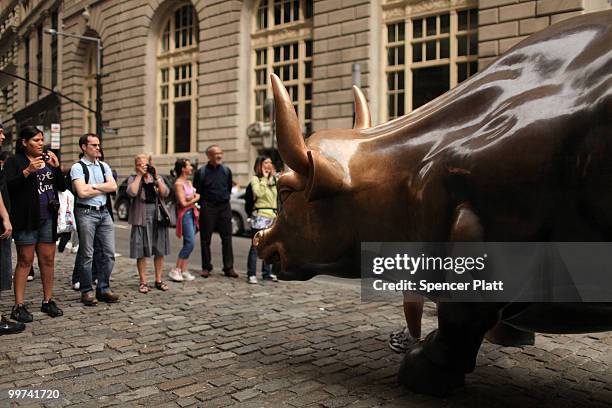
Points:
x=21, y=314
x=252, y=279
x=175, y=275
x=8, y=327
x=76, y=285
x=188, y=276
x=51, y=308
x=74, y=249
x=397, y=333
x=31, y=276
x=401, y=342
x=271, y=277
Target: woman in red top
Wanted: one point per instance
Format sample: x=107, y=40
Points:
x=187, y=218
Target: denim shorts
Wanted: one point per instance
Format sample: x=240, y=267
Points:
x=43, y=235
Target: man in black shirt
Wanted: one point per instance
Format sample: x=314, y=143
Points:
x=213, y=182
x=6, y=326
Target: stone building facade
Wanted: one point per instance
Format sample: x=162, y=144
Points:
x=179, y=75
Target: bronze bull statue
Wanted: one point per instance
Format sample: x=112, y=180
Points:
x=522, y=151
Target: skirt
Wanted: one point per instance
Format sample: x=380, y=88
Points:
x=150, y=239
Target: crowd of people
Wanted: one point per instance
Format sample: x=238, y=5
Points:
x=43, y=201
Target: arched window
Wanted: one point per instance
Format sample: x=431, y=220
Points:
x=282, y=44
x=89, y=90
x=429, y=52
x=177, y=85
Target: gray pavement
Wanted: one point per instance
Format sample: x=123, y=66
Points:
x=220, y=342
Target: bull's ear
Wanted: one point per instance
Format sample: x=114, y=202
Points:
x=363, y=120
x=292, y=180
x=325, y=177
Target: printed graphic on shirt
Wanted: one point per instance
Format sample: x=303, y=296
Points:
x=45, y=190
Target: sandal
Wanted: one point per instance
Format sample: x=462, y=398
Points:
x=143, y=288
x=161, y=286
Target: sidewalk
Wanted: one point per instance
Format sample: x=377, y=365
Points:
x=220, y=342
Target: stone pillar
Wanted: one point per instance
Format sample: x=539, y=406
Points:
x=341, y=38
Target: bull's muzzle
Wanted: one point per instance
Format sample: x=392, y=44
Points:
x=265, y=251
x=258, y=238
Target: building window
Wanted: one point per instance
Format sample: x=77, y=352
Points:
x=427, y=56
x=26, y=67
x=177, y=89
x=278, y=12
x=54, y=26
x=289, y=58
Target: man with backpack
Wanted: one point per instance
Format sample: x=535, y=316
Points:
x=93, y=181
x=213, y=182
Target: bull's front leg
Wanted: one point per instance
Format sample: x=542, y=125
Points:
x=440, y=362
x=466, y=226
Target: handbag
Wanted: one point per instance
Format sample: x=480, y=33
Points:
x=163, y=218
x=65, y=218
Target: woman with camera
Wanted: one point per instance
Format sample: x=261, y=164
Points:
x=148, y=217
x=33, y=178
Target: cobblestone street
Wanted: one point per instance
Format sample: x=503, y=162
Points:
x=221, y=342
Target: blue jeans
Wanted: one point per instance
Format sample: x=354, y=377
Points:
x=44, y=234
x=78, y=264
x=252, y=262
x=189, y=231
x=95, y=226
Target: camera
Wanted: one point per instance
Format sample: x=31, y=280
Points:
x=45, y=155
x=151, y=170
x=53, y=205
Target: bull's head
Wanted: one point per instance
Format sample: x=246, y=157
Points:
x=316, y=230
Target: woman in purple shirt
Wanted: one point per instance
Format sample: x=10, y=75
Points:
x=33, y=178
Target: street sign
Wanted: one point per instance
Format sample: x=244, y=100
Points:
x=110, y=130
x=55, y=136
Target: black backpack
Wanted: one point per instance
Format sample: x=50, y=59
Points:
x=249, y=200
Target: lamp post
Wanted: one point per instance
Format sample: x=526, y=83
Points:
x=98, y=42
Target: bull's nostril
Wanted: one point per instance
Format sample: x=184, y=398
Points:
x=257, y=238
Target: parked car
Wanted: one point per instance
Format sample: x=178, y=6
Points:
x=240, y=219
x=122, y=200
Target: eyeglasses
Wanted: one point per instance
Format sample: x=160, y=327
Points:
x=93, y=144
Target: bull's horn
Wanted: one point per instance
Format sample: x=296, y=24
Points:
x=291, y=144
x=363, y=119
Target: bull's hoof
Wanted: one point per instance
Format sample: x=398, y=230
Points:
x=421, y=375
x=508, y=336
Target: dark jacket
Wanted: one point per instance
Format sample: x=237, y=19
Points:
x=23, y=193
x=214, y=184
x=4, y=190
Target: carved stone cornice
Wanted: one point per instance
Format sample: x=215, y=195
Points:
x=273, y=35
x=397, y=9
